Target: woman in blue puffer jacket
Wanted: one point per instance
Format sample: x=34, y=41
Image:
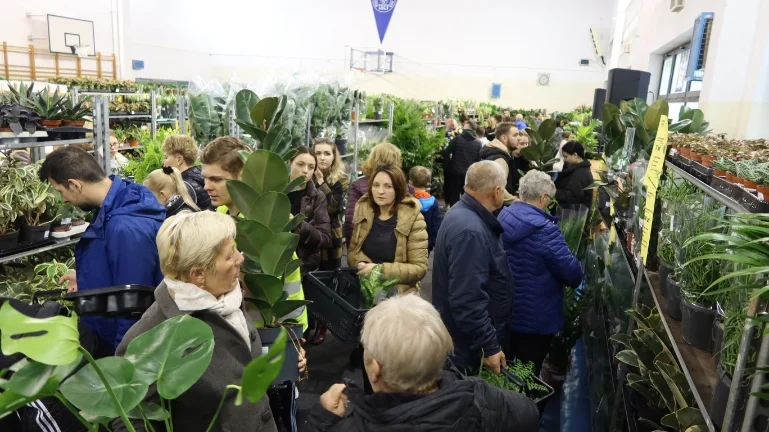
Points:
x=542, y=264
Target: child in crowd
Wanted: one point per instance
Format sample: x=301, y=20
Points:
x=419, y=178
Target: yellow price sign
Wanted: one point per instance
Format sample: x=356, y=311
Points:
x=652, y=182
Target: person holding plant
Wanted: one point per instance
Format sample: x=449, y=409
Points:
x=170, y=190
x=542, y=264
x=406, y=348
x=180, y=152
x=381, y=154
x=118, y=247
x=572, y=181
x=315, y=231
x=472, y=283
x=201, y=265
x=390, y=231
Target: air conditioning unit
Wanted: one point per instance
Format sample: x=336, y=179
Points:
x=628, y=47
x=676, y=5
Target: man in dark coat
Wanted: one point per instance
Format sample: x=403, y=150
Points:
x=542, y=264
x=578, y=175
x=463, y=151
x=118, y=248
x=472, y=282
x=411, y=395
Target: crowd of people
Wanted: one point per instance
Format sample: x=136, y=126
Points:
x=500, y=264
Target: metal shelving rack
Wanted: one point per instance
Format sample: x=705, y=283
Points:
x=356, y=129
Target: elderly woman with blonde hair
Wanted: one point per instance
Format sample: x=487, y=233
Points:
x=406, y=348
x=201, y=265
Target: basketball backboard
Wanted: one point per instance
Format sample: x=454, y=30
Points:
x=70, y=36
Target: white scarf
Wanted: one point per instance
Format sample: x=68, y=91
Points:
x=189, y=297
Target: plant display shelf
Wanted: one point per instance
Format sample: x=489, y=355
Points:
x=130, y=116
x=718, y=196
x=697, y=365
x=26, y=145
x=35, y=251
x=103, y=93
x=356, y=127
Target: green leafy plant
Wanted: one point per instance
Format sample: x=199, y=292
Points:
x=698, y=124
x=585, y=135
x=172, y=356
x=375, y=287
x=12, y=179
x=75, y=111
x=575, y=303
x=654, y=373
x=150, y=155
x=541, y=153
x=36, y=196
x=265, y=233
x=49, y=106
x=417, y=144
x=22, y=94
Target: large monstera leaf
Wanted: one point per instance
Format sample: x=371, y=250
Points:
x=87, y=392
x=53, y=341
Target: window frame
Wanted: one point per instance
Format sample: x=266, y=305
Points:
x=685, y=96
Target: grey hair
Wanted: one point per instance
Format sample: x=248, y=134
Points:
x=534, y=184
x=485, y=175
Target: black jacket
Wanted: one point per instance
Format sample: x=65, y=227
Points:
x=176, y=205
x=491, y=153
x=315, y=231
x=472, y=282
x=460, y=405
x=464, y=150
x=571, y=183
x=194, y=179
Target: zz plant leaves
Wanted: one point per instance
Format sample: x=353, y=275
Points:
x=52, y=341
x=175, y=354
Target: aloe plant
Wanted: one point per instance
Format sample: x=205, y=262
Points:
x=49, y=106
x=265, y=234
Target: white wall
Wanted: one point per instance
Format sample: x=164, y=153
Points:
x=443, y=48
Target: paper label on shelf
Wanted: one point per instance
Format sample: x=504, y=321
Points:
x=652, y=182
x=612, y=230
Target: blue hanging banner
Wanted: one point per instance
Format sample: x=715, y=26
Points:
x=383, y=11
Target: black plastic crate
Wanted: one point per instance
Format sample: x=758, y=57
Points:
x=123, y=300
x=336, y=302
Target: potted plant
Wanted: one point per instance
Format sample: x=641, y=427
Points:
x=763, y=186
x=378, y=105
x=265, y=234
x=540, y=153
x=33, y=202
x=11, y=187
x=720, y=166
x=74, y=113
x=17, y=119
x=171, y=357
x=50, y=107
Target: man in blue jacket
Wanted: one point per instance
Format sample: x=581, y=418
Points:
x=542, y=264
x=118, y=247
x=472, y=283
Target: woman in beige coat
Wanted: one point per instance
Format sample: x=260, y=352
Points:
x=390, y=230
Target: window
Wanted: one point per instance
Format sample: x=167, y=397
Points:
x=674, y=84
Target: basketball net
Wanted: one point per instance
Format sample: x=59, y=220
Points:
x=82, y=50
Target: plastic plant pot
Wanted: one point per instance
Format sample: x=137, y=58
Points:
x=123, y=300
x=341, y=145
x=665, y=270
x=674, y=299
x=35, y=234
x=9, y=241
x=697, y=324
x=721, y=396
x=718, y=341
x=289, y=371
x=719, y=173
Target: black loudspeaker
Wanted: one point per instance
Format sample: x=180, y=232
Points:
x=599, y=99
x=627, y=84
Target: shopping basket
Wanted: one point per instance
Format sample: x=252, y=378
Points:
x=336, y=302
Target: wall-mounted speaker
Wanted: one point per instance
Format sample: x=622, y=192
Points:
x=626, y=84
x=599, y=98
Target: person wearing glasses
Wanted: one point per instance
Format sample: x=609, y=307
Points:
x=542, y=264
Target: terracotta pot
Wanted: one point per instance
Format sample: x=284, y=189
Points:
x=51, y=123
x=706, y=158
x=763, y=190
x=707, y=163
x=719, y=173
x=73, y=123
x=695, y=156
x=62, y=228
x=353, y=115
x=730, y=177
x=739, y=180
x=685, y=152
x=6, y=130
x=749, y=184
x=133, y=142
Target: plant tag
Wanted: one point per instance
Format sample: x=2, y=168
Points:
x=47, y=234
x=265, y=350
x=66, y=221
x=672, y=224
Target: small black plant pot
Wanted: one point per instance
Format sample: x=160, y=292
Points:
x=377, y=116
x=717, y=407
x=289, y=371
x=9, y=241
x=341, y=146
x=665, y=270
x=35, y=234
x=674, y=298
x=697, y=324
x=718, y=341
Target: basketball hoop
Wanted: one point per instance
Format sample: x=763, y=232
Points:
x=81, y=50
